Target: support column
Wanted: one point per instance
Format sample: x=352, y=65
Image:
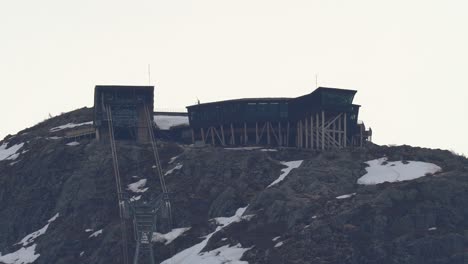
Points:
x=222, y=135
x=256, y=133
x=345, y=130
x=340, y=133
x=268, y=133
x=212, y=136
x=317, y=136
x=233, y=136
x=193, y=136
x=246, y=138
x=306, y=132
x=280, y=136
x=287, y=136
x=203, y=134
x=323, y=130
x=311, y=131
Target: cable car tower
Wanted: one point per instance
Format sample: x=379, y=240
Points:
x=124, y=113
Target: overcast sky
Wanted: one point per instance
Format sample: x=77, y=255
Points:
x=407, y=59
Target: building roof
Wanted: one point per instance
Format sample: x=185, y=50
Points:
x=273, y=99
x=123, y=87
x=252, y=100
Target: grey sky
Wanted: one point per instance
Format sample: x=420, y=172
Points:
x=407, y=59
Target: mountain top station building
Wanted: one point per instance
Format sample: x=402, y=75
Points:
x=323, y=119
x=126, y=108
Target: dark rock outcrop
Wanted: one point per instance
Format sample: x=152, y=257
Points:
x=420, y=221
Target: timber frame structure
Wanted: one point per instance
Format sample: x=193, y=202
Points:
x=324, y=119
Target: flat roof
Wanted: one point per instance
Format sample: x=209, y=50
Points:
x=272, y=99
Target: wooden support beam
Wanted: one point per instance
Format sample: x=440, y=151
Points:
x=340, y=134
x=287, y=136
x=306, y=132
x=345, y=130
x=222, y=136
x=323, y=130
x=311, y=131
x=203, y=135
x=233, y=135
x=257, y=140
x=274, y=132
x=317, y=135
x=212, y=136
x=193, y=136
x=301, y=137
x=246, y=138
x=280, y=143
x=268, y=133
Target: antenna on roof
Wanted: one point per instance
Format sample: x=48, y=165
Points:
x=316, y=80
x=149, y=74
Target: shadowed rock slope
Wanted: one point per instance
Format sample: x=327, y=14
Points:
x=298, y=220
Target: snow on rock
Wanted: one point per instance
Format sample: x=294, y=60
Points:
x=135, y=198
x=276, y=238
x=177, y=167
x=290, y=166
x=96, y=234
x=29, y=239
x=89, y=230
x=222, y=255
x=72, y=144
x=269, y=150
x=380, y=171
x=165, y=122
x=138, y=187
x=346, y=196
x=24, y=255
x=279, y=244
x=244, y=148
x=10, y=153
x=169, y=237
x=173, y=159
x=69, y=125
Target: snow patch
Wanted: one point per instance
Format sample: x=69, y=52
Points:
x=290, y=166
x=279, y=244
x=177, y=167
x=222, y=255
x=89, y=230
x=346, y=196
x=432, y=229
x=276, y=238
x=135, y=198
x=24, y=255
x=165, y=122
x=29, y=239
x=173, y=159
x=54, y=138
x=244, y=148
x=69, y=125
x=10, y=153
x=72, y=144
x=138, y=187
x=169, y=237
x=380, y=171
x=269, y=150
x=96, y=234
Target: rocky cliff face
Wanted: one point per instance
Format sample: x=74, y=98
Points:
x=58, y=203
